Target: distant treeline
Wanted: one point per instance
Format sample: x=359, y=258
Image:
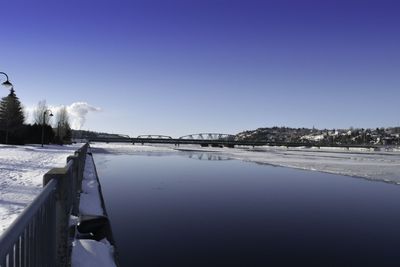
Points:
x=83, y=134
x=29, y=134
x=14, y=130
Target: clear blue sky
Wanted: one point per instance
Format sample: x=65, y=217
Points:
x=180, y=67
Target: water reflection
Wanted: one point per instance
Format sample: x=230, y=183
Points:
x=129, y=151
x=173, y=211
x=192, y=154
x=207, y=156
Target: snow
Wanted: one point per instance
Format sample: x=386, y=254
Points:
x=314, y=138
x=357, y=162
x=89, y=186
x=90, y=200
x=88, y=253
x=73, y=220
x=90, y=205
x=383, y=166
x=21, y=175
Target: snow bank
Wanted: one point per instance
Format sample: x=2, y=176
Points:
x=21, y=175
x=89, y=253
x=384, y=166
x=90, y=199
x=90, y=204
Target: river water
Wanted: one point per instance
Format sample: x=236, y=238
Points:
x=206, y=210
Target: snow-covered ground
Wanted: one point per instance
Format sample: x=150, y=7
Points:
x=21, y=175
x=373, y=165
x=358, y=162
x=87, y=253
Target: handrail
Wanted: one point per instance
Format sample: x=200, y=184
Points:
x=11, y=241
x=69, y=164
x=39, y=235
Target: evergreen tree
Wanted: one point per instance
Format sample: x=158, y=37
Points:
x=11, y=115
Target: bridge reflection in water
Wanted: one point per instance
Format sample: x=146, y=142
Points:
x=207, y=156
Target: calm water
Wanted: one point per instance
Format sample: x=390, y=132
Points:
x=175, y=210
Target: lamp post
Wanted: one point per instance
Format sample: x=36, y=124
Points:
x=58, y=131
x=7, y=123
x=44, y=121
x=7, y=84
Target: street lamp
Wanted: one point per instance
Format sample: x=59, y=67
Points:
x=7, y=83
x=44, y=121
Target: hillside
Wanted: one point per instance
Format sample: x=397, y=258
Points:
x=382, y=136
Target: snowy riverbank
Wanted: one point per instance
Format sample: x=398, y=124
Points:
x=21, y=175
x=383, y=166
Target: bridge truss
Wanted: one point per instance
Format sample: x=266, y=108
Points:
x=208, y=136
x=152, y=136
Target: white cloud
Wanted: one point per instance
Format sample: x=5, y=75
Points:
x=77, y=112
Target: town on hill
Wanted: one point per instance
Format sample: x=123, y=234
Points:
x=351, y=136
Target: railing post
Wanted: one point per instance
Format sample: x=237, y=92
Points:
x=81, y=156
x=63, y=210
x=76, y=183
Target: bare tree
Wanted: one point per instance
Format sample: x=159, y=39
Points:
x=62, y=124
x=62, y=116
x=38, y=113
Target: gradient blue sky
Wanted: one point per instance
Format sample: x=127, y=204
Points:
x=180, y=67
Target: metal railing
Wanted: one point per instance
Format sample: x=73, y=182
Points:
x=40, y=235
x=30, y=240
